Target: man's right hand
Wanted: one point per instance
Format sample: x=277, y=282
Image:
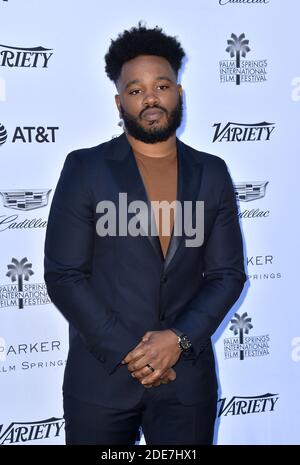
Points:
x=168, y=376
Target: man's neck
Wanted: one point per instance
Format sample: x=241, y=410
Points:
x=157, y=150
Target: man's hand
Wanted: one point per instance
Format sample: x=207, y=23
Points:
x=160, y=350
x=168, y=376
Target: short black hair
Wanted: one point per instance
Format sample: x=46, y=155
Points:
x=142, y=41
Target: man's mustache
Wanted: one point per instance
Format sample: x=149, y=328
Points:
x=156, y=106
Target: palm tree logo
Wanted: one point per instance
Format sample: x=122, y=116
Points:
x=238, y=46
x=19, y=270
x=240, y=325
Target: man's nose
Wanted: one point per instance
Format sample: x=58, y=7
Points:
x=150, y=99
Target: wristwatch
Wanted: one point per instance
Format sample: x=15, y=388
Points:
x=183, y=341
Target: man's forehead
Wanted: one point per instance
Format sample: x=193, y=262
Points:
x=144, y=67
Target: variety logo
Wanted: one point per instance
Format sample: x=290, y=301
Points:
x=246, y=405
x=21, y=57
x=21, y=432
x=295, y=351
x=295, y=96
x=29, y=134
x=25, y=200
x=242, y=346
x=20, y=294
x=247, y=191
x=238, y=70
x=240, y=132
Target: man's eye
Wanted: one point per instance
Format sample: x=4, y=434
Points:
x=134, y=92
x=163, y=87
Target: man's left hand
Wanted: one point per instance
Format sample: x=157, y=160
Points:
x=159, y=349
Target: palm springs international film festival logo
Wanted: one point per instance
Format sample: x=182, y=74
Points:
x=241, y=132
x=242, y=346
x=238, y=70
x=20, y=294
x=245, y=405
x=24, y=57
x=23, y=200
x=21, y=432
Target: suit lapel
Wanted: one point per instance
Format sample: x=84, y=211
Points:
x=188, y=186
x=124, y=169
x=128, y=179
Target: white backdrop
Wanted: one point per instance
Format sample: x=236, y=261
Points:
x=57, y=98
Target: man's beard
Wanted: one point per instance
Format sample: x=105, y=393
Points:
x=153, y=134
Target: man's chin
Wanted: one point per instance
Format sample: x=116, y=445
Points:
x=156, y=123
x=151, y=138
x=149, y=134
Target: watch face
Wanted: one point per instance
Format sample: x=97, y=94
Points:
x=185, y=343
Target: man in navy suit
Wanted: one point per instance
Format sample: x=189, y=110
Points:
x=143, y=302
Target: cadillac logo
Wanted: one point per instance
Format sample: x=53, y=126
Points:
x=246, y=191
x=20, y=199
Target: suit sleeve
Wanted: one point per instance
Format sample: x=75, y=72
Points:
x=68, y=264
x=224, y=275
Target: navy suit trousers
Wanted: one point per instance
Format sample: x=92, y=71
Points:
x=163, y=419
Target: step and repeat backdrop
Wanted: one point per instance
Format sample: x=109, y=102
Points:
x=241, y=83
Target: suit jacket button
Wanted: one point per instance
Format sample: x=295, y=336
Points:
x=162, y=316
x=163, y=279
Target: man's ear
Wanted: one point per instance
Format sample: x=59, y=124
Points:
x=180, y=90
x=118, y=103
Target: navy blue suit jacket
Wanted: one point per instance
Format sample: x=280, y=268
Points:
x=113, y=289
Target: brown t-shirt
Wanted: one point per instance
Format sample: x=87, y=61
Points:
x=159, y=175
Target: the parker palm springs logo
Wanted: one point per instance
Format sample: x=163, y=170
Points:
x=238, y=46
x=240, y=325
x=242, y=346
x=19, y=271
x=238, y=70
x=19, y=293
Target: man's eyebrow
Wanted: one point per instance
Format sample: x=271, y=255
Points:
x=164, y=78
x=137, y=81
x=134, y=81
